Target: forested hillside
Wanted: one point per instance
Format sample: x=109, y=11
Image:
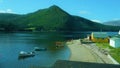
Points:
x=50, y=19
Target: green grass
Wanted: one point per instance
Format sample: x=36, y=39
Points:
x=114, y=52
x=104, y=45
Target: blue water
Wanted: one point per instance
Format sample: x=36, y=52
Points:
x=12, y=43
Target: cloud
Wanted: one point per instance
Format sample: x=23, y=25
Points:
x=96, y=21
x=6, y=11
x=84, y=12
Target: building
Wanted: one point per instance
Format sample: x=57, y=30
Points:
x=119, y=32
x=115, y=41
x=99, y=37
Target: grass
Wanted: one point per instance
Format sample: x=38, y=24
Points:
x=104, y=45
x=114, y=52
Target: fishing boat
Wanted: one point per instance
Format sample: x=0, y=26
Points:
x=39, y=49
x=26, y=54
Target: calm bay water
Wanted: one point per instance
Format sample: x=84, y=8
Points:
x=12, y=43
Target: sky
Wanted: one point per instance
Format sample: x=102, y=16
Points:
x=95, y=10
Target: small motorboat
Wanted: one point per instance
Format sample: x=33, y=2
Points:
x=26, y=54
x=40, y=49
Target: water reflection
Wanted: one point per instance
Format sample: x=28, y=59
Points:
x=49, y=41
x=25, y=57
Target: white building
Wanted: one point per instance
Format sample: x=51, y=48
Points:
x=119, y=32
x=115, y=42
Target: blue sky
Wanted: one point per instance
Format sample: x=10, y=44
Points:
x=96, y=10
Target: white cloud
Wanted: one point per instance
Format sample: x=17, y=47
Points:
x=2, y=11
x=9, y=11
x=116, y=19
x=84, y=12
x=96, y=21
x=6, y=11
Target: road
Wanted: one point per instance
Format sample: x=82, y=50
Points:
x=86, y=53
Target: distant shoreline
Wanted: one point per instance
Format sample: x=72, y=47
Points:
x=57, y=31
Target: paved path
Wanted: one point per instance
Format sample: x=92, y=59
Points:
x=82, y=53
x=100, y=54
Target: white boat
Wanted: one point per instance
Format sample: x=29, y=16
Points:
x=26, y=54
x=39, y=49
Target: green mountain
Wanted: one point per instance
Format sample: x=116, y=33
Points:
x=50, y=19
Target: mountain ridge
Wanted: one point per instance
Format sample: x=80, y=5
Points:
x=51, y=19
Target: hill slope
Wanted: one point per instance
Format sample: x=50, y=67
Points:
x=49, y=18
x=113, y=23
x=52, y=18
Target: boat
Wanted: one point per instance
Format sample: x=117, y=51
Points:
x=26, y=54
x=39, y=49
x=59, y=44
